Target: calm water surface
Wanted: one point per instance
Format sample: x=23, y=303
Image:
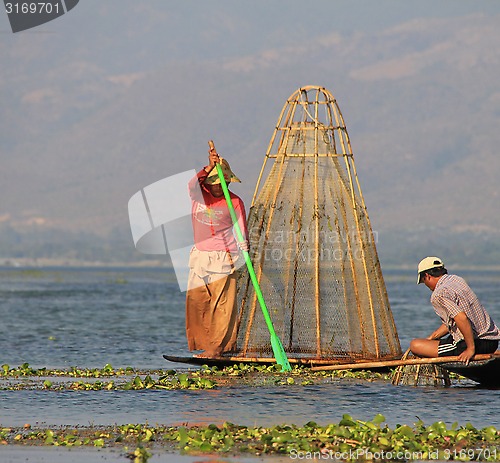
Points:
x=60, y=318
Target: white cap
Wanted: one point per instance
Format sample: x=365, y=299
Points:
x=427, y=264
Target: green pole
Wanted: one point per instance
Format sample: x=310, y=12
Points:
x=278, y=350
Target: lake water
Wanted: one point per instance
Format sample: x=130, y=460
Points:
x=88, y=317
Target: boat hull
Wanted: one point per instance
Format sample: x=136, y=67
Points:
x=484, y=372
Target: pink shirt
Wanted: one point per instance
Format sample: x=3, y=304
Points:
x=212, y=224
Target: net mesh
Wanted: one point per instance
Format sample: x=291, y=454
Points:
x=420, y=375
x=312, y=245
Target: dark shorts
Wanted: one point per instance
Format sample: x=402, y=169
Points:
x=447, y=347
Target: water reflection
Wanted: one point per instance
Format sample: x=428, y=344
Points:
x=88, y=318
x=261, y=406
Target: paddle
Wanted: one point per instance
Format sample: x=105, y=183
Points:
x=279, y=352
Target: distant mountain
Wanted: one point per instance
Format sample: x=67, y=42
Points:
x=88, y=122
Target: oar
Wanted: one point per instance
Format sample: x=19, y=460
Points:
x=279, y=352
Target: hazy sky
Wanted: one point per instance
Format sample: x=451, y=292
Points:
x=194, y=29
x=93, y=101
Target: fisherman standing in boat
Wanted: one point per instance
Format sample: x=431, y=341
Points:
x=467, y=328
x=211, y=315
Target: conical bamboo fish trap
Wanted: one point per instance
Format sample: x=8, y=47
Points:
x=422, y=374
x=312, y=245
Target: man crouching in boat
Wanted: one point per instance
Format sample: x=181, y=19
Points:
x=467, y=328
x=211, y=315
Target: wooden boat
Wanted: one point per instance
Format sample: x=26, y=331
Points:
x=485, y=369
x=485, y=372
x=235, y=360
x=198, y=361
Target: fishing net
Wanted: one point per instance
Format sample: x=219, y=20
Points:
x=420, y=375
x=312, y=245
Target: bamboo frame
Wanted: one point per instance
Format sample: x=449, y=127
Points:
x=401, y=362
x=266, y=237
x=316, y=223
x=295, y=260
x=353, y=270
x=343, y=131
x=300, y=123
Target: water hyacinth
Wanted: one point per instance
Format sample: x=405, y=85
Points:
x=204, y=378
x=26, y=370
x=348, y=437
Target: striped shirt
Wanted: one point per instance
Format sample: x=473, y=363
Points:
x=453, y=295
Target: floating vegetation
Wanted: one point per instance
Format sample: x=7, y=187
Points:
x=350, y=439
x=118, y=281
x=254, y=375
x=31, y=273
x=26, y=370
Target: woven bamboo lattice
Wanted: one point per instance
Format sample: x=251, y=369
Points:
x=420, y=375
x=312, y=245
